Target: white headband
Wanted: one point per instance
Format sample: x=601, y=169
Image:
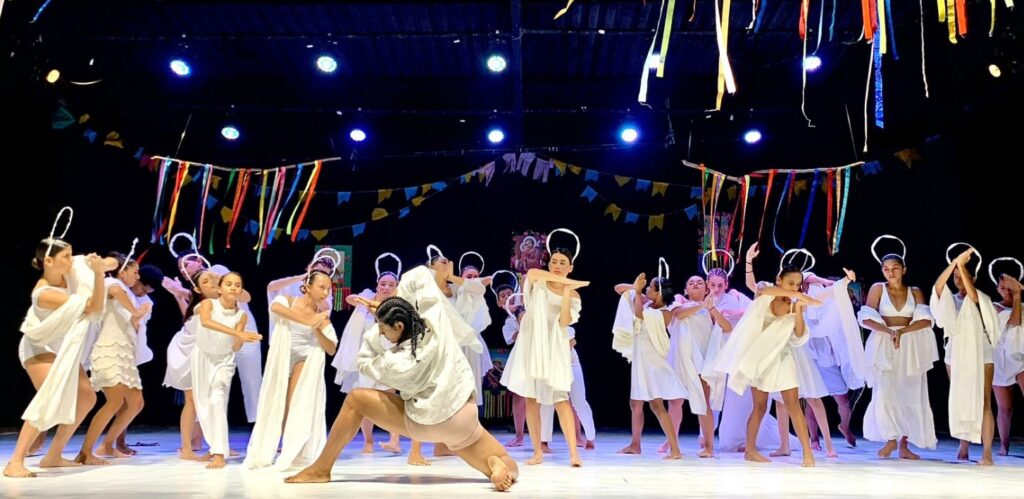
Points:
x=515, y=279
x=704, y=261
x=579, y=247
x=796, y=251
x=950, y=260
x=128, y=258
x=1020, y=273
x=887, y=236
x=53, y=230
x=187, y=236
x=478, y=255
x=192, y=256
x=321, y=254
x=376, y=263
x=431, y=255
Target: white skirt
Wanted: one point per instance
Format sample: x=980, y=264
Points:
x=651, y=376
x=1009, y=357
x=113, y=359
x=179, y=363
x=899, y=404
x=780, y=375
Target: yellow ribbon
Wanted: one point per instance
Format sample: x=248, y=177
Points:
x=263, y=195
x=950, y=16
x=666, y=35
x=882, y=37
x=564, y=9
x=725, y=76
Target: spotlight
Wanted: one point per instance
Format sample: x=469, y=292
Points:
x=326, y=64
x=496, y=136
x=53, y=76
x=812, y=63
x=180, y=68
x=994, y=71
x=752, y=136
x=229, y=132
x=653, y=61
x=496, y=63
x=629, y=134
x=357, y=135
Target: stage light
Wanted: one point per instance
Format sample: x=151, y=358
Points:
x=994, y=71
x=357, y=135
x=752, y=136
x=326, y=64
x=229, y=132
x=812, y=63
x=629, y=134
x=180, y=68
x=53, y=76
x=496, y=63
x=496, y=136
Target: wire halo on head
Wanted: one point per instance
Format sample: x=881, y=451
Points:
x=878, y=259
x=191, y=278
x=961, y=243
x=478, y=255
x=128, y=258
x=53, y=230
x=808, y=264
x=376, y=264
x=505, y=305
x=713, y=253
x=515, y=280
x=430, y=254
x=579, y=247
x=186, y=235
x=324, y=253
x=1020, y=273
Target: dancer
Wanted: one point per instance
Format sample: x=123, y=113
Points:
x=293, y=397
x=437, y=402
x=220, y=334
x=346, y=361
x=1009, y=352
x=150, y=278
x=899, y=353
x=689, y=346
x=510, y=330
x=540, y=364
x=972, y=326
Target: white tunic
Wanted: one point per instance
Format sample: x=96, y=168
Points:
x=1009, y=352
x=346, y=359
x=113, y=360
x=213, y=367
x=468, y=299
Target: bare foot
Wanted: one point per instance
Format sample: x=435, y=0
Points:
x=310, y=475
x=832, y=453
x=630, y=449
x=105, y=451
x=985, y=461
x=756, y=457
x=851, y=440
x=217, y=462
x=574, y=459
x=500, y=475
x=816, y=445
x=126, y=450
x=545, y=448
x=700, y=441
x=515, y=442
x=1004, y=452
x=60, y=462
x=17, y=471
x=963, y=453
x=89, y=459
x=442, y=450
x=674, y=456
x=388, y=446
x=417, y=460
x=887, y=449
x=368, y=448
x=188, y=456
x=664, y=448
x=780, y=452
x=590, y=445
x=706, y=453
x=537, y=458
x=906, y=454
x=232, y=453
x=808, y=461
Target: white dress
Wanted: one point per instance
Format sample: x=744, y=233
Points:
x=689, y=345
x=468, y=299
x=179, y=356
x=1009, y=352
x=346, y=359
x=540, y=363
x=113, y=356
x=651, y=376
x=213, y=367
x=898, y=377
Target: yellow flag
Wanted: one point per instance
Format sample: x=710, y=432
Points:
x=82, y=119
x=379, y=213
x=383, y=194
x=426, y=188
x=185, y=181
x=319, y=234
x=416, y=201
x=215, y=180
x=659, y=188
x=799, y=187
x=614, y=211
x=561, y=166
x=225, y=214
x=655, y=221
x=277, y=233
x=575, y=169
x=619, y=179
x=731, y=192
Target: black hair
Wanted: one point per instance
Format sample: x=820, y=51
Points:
x=310, y=278
x=791, y=269
x=434, y=259
x=463, y=269
x=221, y=281
x=563, y=251
x=394, y=310
x=196, y=296
x=151, y=275
x=387, y=273
x=41, y=254
x=121, y=258
x=502, y=287
x=893, y=256
x=664, y=287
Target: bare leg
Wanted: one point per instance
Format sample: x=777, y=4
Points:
x=845, y=411
x=38, y=368
x=675, y=412
x=782, y=414
x=707, y=424
x=658, y=406
x=987, y=421
x=132, y=407
x=812, y=426
x=533, y=425
x=792, y=400
x=818, y=408
x=636, y=409
x=1004, y=401
x=386, y=410
x=187, y=424
x=887, y=449
x=37, y=444
x=367, y=428
x=565, y=421
x=416, y=454
x=86, y=400
x=489, y=457
x=905, y=451
x=750, y=452
x=441, y=450
x=518, y=420
x=393, y=444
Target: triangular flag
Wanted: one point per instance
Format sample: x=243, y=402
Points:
x=908, y=156
x=211, y=202
x=731, y=192
x=188, y=178
x=655, y=221
x=144, y=161
x=404, y=213
x=799, y=187
x=61, y=119
x=383, y=194
x=254, y=227
x=358, y=229
x=659, y=188
x=426, y=188
x=303, y=235
x=631, y=218
x=589, y=193
x=619, y=179
x=410, y=192
x=83, y=118
x=378, y=213
x=215, y=181
x=138, y=153
x=691, y=211
x=90, y=135
x=560, y=167
x=344, y=197
x=319, y=234
x=575, y=169
x=416, y=201
x=614, y=211
x=439, y=186
x=643, y=185
x=114, y=140
x=277, y=234
x=694, y=192
x=466, y=178
x=872, y=168
x=225, y=214
x=590, y=176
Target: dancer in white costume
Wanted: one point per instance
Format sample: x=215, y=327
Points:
x=727, y=307
x=578, y=398
x=220, y=335
x=427, y=364
x=899, y=353
x=689, y=347
x=149, y=279
x=346, y=361
x=292, y=286
x=540, y=364
x=511, y=300
x=640, y=334
x=179, y=359
x=1009, y=353
x=293, y=396
x=68, y=295
x=972, y=326
x=760, y=355
x=113, y=366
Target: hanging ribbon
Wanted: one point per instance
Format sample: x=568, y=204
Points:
x=882, y=33
x=924, y=74
x=259, y=219
x=802, y=28
x=236, y=207
x=992, y=22
x=753, y=13
x=948, y=13
x=275, y=205
x=821, y=24
x=646, y=72
x=310, y=192
x=791, y=189
x=725, y=76
x=867, y=12
x=879, y=94
x=665, y=37
x=842, y=212
x=832, y=25
x=828, y=216
x=767, y=196
x=892, y=29
x=778, y=208
x=288, y=199
x=716, y=194
x=743, y=214
x=732, y=221
x=202, y=206
x=159, y=196
x=810, y=207
x=182, y=173
x=961, y=15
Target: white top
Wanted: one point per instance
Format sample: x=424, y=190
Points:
x=215, y=342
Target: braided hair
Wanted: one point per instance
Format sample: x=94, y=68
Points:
x=718, y=272
x=394, y=310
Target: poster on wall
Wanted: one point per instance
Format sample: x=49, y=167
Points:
x=529, y=251
x=343, y=277
x=497, y=399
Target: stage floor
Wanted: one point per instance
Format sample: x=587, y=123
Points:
x=156, y=472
